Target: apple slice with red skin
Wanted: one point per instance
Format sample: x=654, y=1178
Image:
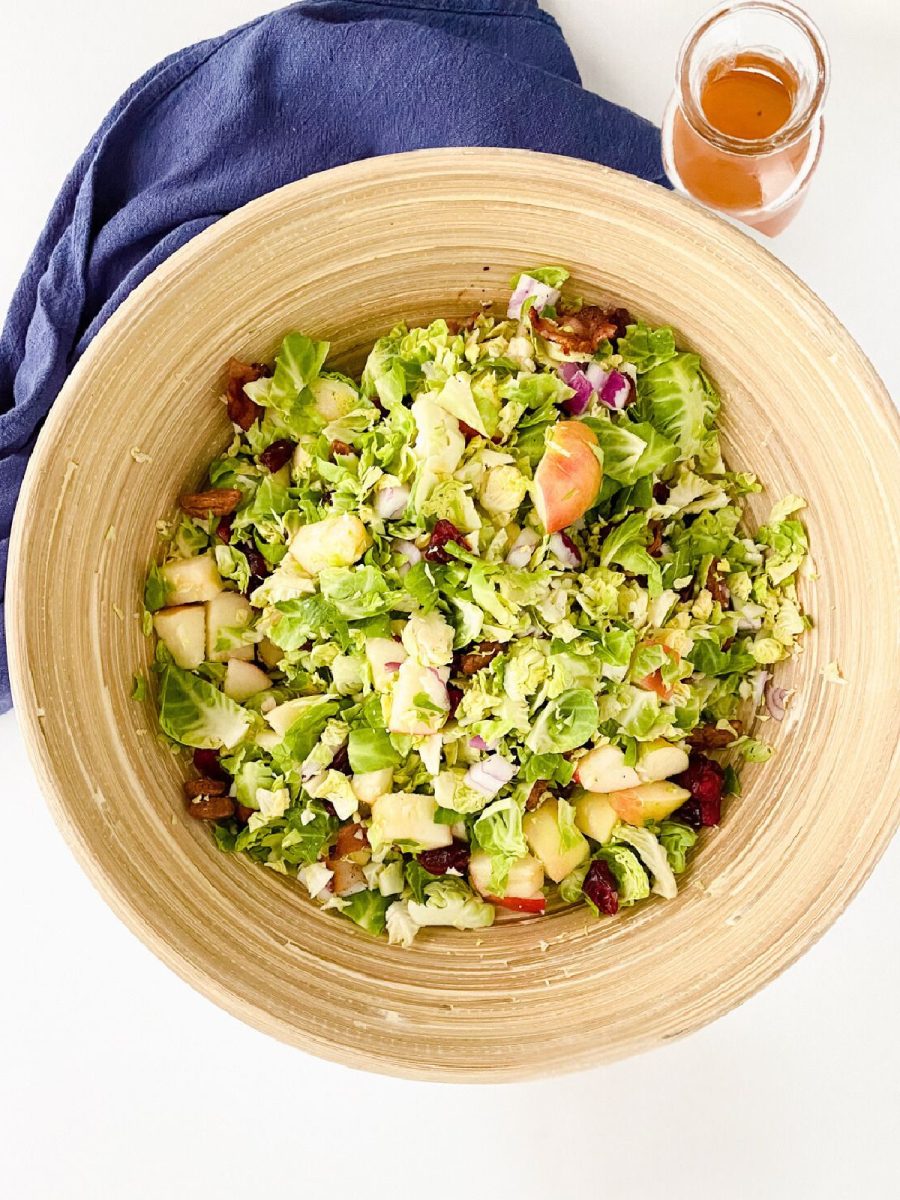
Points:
x=531, y=904
x=568, y=477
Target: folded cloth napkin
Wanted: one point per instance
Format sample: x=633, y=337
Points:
x=297, y=91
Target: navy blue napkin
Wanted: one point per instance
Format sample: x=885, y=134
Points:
x=305, y=88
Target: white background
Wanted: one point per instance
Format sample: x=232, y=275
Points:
x=117, y=1081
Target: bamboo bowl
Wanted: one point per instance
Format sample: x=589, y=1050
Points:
x=344, y=255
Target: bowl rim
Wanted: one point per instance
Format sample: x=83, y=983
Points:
x=381, y=169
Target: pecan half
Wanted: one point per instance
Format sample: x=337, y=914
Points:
x=211, y=808
x=243, y=813
x=218, y=502
x=537, y=794
x=339, y=447
x=477, y=659
x=241, y=409
x=205, y=787
x=656, y=545
x=577, y=332
x=707, y=737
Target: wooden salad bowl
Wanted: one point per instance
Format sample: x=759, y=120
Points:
x=344, y=255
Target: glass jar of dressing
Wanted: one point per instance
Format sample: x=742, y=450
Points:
x=743, y=131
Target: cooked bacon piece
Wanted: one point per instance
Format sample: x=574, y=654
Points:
x=716, y=585
x=707, y=737
x=539, y=789
x=578, y=332
x=241, y=409
x=656, y=545
x=219, y=502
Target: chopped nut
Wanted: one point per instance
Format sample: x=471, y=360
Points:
x=477, y=659
x=217, y=501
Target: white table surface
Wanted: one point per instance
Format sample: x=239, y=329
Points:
x=117, y=1080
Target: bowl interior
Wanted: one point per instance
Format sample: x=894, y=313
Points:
x=343, y=256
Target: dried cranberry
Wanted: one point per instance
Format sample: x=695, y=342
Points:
x=341, y=761
x=206, y=763
x=467, y=431
x=446, y=858
x=329, y=808
x=600, y=888
x=660, y=492
x=276, y=454
x=259, y=568
x=223, y=529
x=454, y=695
x=443, y=532
x=705, y=780
x=621, y=318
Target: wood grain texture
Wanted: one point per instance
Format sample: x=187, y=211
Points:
x=343, y=255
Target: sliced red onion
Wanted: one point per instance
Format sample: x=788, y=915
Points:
x=776, y=701
x=391, y=501
x=443, y=673
x=759, y=687
x=477, y=742
x=543, y=294
x=393, y=666
x=565, y=550
x=596, y=376
x=574, y=377
x=522, y=548
x=410, y=552
x=489, y=775
x=616, y=392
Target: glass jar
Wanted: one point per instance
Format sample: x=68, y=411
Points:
x=743, y=131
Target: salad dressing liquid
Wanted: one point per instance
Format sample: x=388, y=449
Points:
x=744, y=129
x=750, y=97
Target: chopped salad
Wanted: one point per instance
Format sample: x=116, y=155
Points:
x=479, y=630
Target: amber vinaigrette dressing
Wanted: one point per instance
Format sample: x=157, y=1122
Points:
x=744, y=129
x=749, y=96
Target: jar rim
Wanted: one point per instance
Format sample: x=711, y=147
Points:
x=799, y=123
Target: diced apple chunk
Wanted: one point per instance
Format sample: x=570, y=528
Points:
x=283, y=716
x=526, y=876
x=419, y=700
x=226, y=613
x=243, y=680
x=191, y=580
x=379, y=652
x=269, y=654
x=334, y=542
x=369, y=785
x=595, y=816
x=660, y=760
x=648, y=802
x=604, y=770
x=543, y=835
x=407, y=817
x=182, y=631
